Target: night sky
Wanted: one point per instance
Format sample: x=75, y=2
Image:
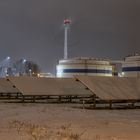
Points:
x=32, y=29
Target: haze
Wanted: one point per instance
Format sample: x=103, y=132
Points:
x=32, y=29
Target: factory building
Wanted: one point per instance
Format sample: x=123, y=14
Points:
x=131, y=66
x=84, y=66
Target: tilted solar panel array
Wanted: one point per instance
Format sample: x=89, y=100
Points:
x=112, y=88
x=7, y=87
x=49, y=86
x=106, y=88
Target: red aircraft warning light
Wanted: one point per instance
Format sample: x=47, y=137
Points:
x=67, y=22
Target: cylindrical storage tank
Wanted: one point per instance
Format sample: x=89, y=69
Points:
x=131, y=66
x=83, y=66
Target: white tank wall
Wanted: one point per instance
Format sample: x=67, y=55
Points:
x=132, y=58
x=131, y=66
x=71, y=67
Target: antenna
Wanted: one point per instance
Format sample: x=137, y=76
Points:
x=66, y=23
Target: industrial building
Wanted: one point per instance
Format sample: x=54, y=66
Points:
x=78, y=80
x=131, y=66
x=84, y=66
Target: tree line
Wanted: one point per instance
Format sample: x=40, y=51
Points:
x=23, y=67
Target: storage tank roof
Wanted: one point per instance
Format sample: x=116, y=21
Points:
x=88, y=60
x=134, y=57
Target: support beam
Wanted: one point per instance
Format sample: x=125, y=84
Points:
x=110, y=104
x=70, y=99
x=23, y=99
x=59, y=98
x=34, y=97
x=83, y=104
x=94, y=101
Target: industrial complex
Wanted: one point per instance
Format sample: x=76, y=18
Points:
x=83, y=80
x=69, y=67
x=130, y=67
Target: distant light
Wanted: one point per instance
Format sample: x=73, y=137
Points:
x=8, y=58
x=24, y=60
x=122, y=73
x=30, y=72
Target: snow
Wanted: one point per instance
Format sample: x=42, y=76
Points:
x=26, y=121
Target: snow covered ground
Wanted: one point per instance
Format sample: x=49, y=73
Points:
x=66, y=122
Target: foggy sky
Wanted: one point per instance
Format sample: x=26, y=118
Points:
x=32, y=29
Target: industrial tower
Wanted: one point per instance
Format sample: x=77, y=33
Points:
x=66, y=23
